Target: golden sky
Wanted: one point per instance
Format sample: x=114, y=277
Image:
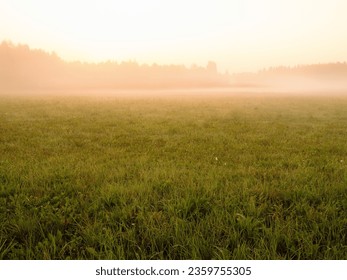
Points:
x=240, y=35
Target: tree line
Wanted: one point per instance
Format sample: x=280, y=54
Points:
x=25, y=68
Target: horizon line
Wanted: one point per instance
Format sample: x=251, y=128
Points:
x=9, y=42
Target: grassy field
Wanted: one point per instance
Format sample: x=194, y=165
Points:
x=225, y=177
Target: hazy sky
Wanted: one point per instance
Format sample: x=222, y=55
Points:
x=240, y=35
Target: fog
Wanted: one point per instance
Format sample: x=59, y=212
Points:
x=24, y=71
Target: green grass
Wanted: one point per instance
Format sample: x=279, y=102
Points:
x=238, y=177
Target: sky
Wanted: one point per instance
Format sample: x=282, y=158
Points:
x=239, y=35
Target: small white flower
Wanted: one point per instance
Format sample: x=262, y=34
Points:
x=216, y=158
x=341, y=160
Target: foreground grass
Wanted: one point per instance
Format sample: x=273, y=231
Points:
x=162, y=178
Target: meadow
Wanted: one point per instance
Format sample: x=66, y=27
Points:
x=230, y=176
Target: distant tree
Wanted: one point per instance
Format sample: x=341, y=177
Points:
x=211, y=67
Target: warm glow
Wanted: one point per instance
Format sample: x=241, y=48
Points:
x=240, y=35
